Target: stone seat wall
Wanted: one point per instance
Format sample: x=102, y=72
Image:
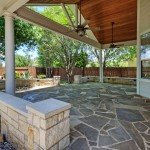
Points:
x=55, y=81
x=28, y=126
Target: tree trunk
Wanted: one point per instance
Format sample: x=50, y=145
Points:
x=83, y=71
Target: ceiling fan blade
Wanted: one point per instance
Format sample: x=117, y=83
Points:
x=86, y=22
x=120, y=45
x=93, y=28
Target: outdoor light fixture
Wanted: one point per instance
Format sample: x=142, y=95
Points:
x=81, y=32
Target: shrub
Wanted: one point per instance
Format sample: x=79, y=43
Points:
x=41, y=76
x=26, y=75
x=17, y=75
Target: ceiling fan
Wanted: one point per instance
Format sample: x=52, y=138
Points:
x=112, y=45
x=81, y=28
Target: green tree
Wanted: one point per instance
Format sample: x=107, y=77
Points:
x=114, y=57
x=82, y=58
x=25, y=35
x=23, y=61
x=59, y=51
x=57, y=14
x=55, y=50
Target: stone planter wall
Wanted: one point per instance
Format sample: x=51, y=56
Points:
x=79, y=79
x=33, y=82
x=40, y=126
x=120, y=80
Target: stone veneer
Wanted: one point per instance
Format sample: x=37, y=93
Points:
x=55, y=81
x=35, y=126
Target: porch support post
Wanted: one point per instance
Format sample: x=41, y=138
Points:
x=9, y=53
x=138, y=77
x=100, y=66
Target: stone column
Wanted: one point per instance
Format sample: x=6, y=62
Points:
x=9, y=53
x=49, y=126
x=101, y=66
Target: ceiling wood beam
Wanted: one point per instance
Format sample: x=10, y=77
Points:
x=53, y=1
x=35, y=18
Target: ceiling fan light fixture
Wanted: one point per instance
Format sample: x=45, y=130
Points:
x=81, y=32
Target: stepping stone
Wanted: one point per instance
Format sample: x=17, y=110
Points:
x=119, y=134
x=95, y=121
x=128, y=145
x=140, y=126
x=86, y=112
x=129, y=115
x=80, y=144
x=105, y=140
x=108, y=115
x=133, y=133
x=90, y=133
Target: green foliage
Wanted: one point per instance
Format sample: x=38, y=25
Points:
x=57, y=14
x=58, y=51
x=119, y=56
x=82, y=59
x=26, y=75
x=23, y=61
x=25, y=35
x=41, y=76
x=116, y=57
x=17, y=75
x=93, y=64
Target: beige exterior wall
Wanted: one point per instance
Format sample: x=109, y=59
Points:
x=144, y=16
x=144, y=26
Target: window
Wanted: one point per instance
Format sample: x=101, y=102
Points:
x=145, y=55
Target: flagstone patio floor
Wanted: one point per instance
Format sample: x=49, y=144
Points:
x=103, y=116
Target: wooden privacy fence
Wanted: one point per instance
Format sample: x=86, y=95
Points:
x=34, y=71
x=128, y=72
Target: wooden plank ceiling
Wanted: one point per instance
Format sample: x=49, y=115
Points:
x=102, y=12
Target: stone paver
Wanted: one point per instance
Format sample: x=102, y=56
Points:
x=90, y=133
x=103, y=116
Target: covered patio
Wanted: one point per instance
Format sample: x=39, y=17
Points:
x=103, y=116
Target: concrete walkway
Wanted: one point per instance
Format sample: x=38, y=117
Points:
x=103, y=116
